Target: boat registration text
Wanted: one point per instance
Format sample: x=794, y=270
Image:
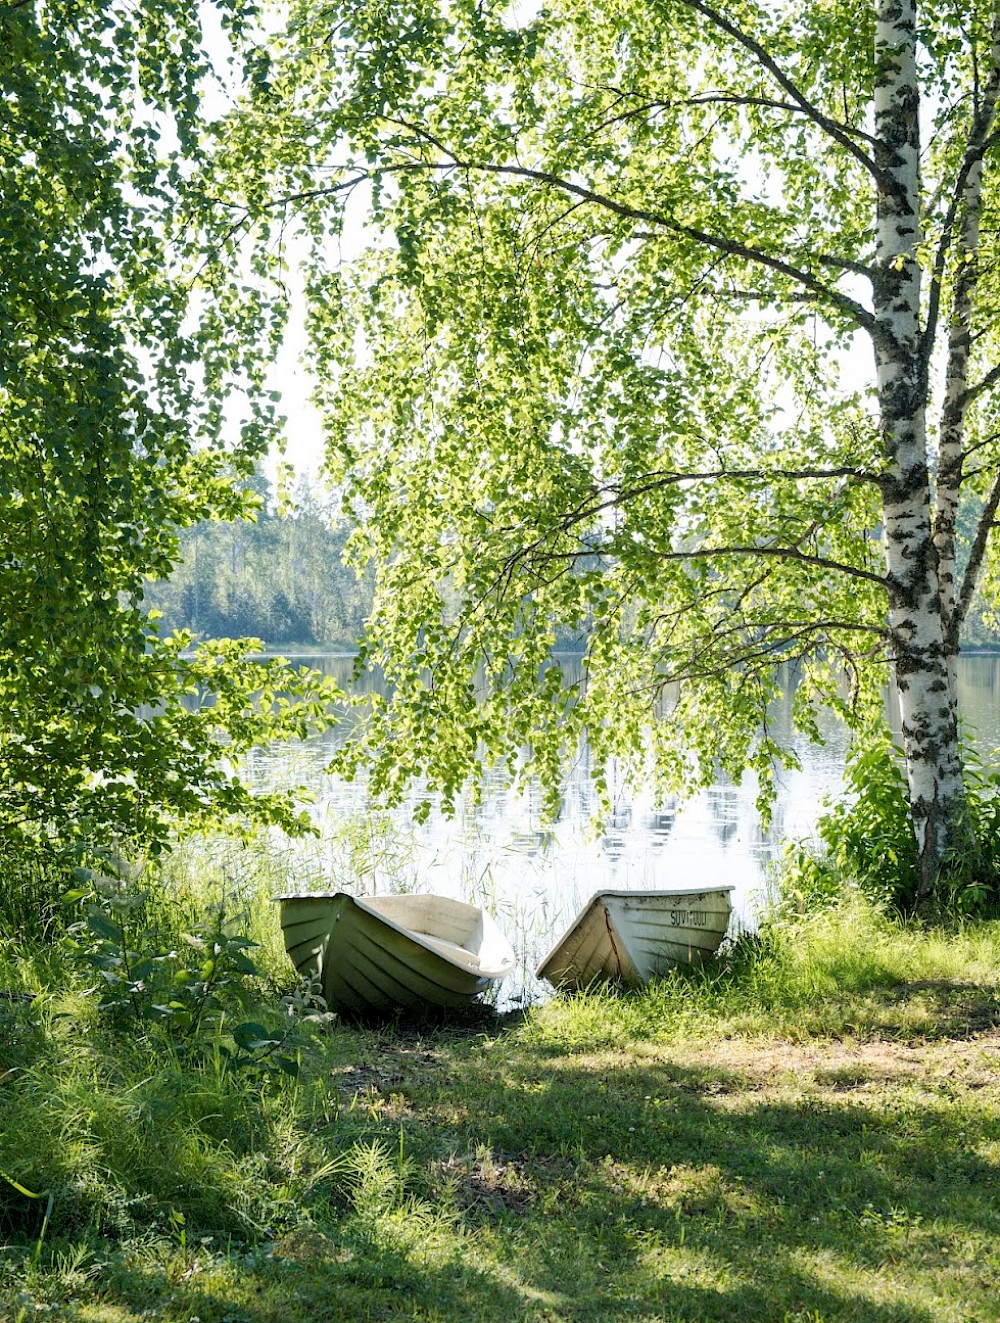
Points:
x=689, y=918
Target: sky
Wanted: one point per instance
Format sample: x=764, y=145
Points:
x=303, y=426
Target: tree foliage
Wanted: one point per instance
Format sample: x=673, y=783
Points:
x=677, y=327
x=132, y=404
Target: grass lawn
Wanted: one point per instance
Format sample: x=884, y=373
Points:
x=809, y=1132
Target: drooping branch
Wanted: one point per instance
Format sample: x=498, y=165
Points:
x=662, y=221
x=780, y=553
x=985, y=384
x=985, y=526
x=816, y=289
x=838, y=132
x=720, y=98
x=537, y=556
x=776, y=638
x=656, y=480
x=611, y=496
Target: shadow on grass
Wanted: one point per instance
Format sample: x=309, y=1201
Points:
x=340, y=1278
x=576, y=1187
x=677, y=1192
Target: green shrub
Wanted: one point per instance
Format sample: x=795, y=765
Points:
x=197, y=987
x=865, y=841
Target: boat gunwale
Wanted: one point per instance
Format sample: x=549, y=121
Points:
x=657, y=892
x=426, y=941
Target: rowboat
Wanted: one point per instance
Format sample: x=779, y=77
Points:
x=384, y=953
x=633, y=936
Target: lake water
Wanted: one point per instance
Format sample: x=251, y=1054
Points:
x=534, y=876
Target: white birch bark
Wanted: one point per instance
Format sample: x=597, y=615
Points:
x=928, y=716
x=955, y=403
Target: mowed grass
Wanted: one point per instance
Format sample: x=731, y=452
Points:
x=808, y=1131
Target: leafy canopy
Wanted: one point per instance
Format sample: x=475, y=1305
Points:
x=602, y=366
x=132, y=404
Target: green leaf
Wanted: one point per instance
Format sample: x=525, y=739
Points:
x=241, y=964
x=252, y=1037
x=102, y=926
x=21, y=1189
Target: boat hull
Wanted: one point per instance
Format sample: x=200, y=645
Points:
x=631, y=937
x=386, y=953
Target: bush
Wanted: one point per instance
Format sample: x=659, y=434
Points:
x=149, y=1077
x=865, y=841
x=197, y=989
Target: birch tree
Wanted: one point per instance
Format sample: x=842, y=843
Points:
x=676, y=327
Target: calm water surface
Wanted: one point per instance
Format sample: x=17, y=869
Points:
x=534, y=876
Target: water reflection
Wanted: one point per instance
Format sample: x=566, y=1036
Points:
x=660, y=823
x=535, y=875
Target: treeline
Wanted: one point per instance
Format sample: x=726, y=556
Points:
x=280, y=577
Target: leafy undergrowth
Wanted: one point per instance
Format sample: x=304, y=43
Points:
x=807, y=1132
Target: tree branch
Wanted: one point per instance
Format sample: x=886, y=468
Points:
x=973, y=448
x=982, y=138
x=536, y=556
x=609, y=497
x=700, y=665
x=976, y=556
x=975, y=152
x=991, y=379
x=781, y=553
x=817, y=289
x=657, y=479
x=725, y=99
x=720, y=243
x=829, y=126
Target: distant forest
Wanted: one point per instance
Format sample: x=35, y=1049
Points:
x=280, y=578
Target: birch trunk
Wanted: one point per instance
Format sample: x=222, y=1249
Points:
x=954, y=603
x=927, y=712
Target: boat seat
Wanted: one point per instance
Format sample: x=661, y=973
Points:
x=451, y=949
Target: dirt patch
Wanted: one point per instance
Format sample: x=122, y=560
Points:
x=383, y=1086
x=489, y=1184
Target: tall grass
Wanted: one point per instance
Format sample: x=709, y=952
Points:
x=823, y=974
x=33, y=880
x=441, y=1174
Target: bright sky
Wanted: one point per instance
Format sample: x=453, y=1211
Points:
x=303, y=430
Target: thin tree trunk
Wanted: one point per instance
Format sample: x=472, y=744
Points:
x=927, y=712
x=969, y=203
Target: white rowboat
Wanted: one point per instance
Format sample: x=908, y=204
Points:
x=634, y=936
x=383, y=953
